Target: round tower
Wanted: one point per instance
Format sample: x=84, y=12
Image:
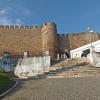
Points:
x=49, y=39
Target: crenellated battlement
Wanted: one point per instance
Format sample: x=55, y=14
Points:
x=19, y=27
x=17, y=38
x=37, y=39
x=49, y=24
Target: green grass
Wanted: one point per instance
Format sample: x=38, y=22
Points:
x=5, y=81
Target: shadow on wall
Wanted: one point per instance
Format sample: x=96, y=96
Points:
x=60, y=56
x=64, y=55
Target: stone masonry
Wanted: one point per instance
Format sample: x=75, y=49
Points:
x=36, y=40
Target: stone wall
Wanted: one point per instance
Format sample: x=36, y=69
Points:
x=49, y=39
x=63, y=41
x=15, y=41
x=69, y=42
x=36, y=40
x=80, y=39
x=31, y=66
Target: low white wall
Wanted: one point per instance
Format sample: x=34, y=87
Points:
x=92, y=58
x=39, y=61
x=76, y=53
x=96, y=59
x=30, y=65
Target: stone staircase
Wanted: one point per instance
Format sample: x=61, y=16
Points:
x=70, y=68
x=75, y=71
x=70, y=62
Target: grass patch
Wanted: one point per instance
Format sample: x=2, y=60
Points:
x=5, y=81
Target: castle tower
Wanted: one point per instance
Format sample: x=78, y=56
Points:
x=49, y=39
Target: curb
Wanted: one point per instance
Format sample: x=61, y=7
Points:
x=6, y=92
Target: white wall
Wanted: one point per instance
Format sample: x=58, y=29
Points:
x=29, y=65
x=94, y=47
x=76, y=53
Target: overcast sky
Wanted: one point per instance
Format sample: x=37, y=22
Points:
x=71, y=16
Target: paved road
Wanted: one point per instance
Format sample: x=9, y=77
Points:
x=87, y=88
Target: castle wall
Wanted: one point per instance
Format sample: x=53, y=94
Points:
x=69, y=42
x=63, y=41
x=80, y=39
x=16, y=40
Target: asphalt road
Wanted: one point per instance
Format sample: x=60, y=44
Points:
x=87, y=88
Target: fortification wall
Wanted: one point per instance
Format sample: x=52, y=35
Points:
x=80, y=39
x=68, y=42
x=63, y=41
x=16, y=39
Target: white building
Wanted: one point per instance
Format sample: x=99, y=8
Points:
x=93, y=47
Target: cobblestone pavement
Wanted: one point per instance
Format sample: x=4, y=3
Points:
x=87, y=88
